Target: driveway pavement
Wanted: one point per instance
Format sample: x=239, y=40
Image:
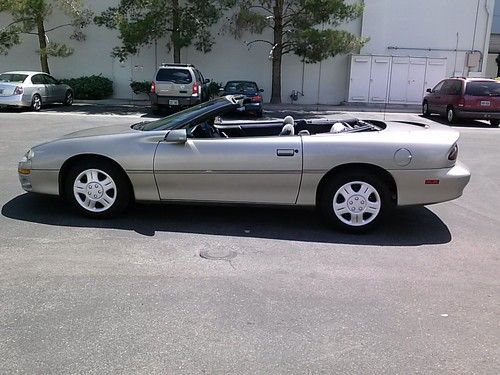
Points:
x=190, y=289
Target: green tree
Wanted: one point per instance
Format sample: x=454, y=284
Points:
x=28, y=17
x=141, y=22
x=303, y=27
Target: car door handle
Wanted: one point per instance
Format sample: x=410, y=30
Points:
x=286, y=152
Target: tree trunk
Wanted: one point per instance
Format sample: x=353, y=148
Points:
x=42, y=41
x=277, y=52
x=175, y=33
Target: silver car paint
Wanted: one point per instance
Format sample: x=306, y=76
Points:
x=249, y=169
x=50, y=93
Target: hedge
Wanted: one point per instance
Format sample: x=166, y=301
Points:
x=90, y=87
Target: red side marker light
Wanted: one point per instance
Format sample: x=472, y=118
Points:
x=432, y=182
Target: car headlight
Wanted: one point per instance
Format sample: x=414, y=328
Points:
x=25, y=163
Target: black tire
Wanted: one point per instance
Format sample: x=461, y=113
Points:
x=68, y=98
x=494, y=122
x=119, y=193
x=155, y=109
x=334, y=193
x=451, y=116
x=259, y=114
x=36, y=103
x=425, y=109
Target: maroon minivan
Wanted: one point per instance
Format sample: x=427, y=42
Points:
x=470, y=98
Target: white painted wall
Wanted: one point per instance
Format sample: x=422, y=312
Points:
x=430, y=24
x=422, y=23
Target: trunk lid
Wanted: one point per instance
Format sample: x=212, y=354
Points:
x=174, y=82
x=7, y=89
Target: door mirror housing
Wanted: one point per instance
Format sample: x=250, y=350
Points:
x=176, y=136
x=261, y=90
x=429, y=90
x=206, y=80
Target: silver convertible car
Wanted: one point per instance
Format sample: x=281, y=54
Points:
x=32, y=89
x=354, y=171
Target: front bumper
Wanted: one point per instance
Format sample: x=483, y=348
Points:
x=166, y=100
x=413, y=189
x=478, y=115
x=14, y=100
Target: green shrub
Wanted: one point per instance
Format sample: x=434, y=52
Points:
x=143, y=87
x=94, y=87
x=213, y=88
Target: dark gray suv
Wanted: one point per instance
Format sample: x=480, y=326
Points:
x=177, y=86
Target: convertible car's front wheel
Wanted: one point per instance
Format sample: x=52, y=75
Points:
x=97, y=189
x=355, y=202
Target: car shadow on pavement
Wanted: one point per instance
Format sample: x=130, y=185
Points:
x=461, y=122
x=406, y=227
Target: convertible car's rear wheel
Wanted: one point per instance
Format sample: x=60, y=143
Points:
x=355, y=202
x=97, y=189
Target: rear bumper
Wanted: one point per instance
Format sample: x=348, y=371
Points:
x=14, y=100
x=166, y=100
x=253, y=107
x=412, y=189
x=477, y=115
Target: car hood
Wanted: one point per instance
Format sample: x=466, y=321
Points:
x=102, y=130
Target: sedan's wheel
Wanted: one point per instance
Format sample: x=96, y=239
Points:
x=450, y=115
x=355, y=202
x=68, y=99
x=97, y=189
x=36, y=103
x=425, y=109
x=494, y=122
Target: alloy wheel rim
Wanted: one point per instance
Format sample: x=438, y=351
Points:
x=426, y=109
x=37, y=103
x=357, y=203
x=450, y=115
x=69, y=98
x=94, y=190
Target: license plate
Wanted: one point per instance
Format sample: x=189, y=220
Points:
x=173, y=102
x=485, y=103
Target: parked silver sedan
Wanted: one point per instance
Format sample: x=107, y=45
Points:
x=32, y=89
x=354, y=171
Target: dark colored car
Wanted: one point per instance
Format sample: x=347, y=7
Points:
x=467, y=98
x=177, y=86
x=252, y=93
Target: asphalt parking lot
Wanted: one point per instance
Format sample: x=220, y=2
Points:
x=190, y=289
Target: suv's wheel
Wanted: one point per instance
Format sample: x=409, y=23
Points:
x=355, y=202
x=36, y=103
x=450, y=115
x=68, y=98
x=155, y=109
x=97, y=189
x=425, y=109
x=494, y=122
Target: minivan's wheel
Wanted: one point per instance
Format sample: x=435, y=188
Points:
x=155, y=109
x=494, y=122
x=425, y=109
x=68, y=99
x=355, y=202
x=36, y=103
x=450, y=115
x=97, y=189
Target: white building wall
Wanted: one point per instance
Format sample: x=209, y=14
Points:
x=403, y=23
x=438, y=25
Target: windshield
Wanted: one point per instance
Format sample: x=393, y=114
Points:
x=240, y=86
x=13, y=77
x=180, y=119
x=483, y=88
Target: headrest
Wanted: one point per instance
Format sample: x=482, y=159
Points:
x=288, y=120
x=338, y=127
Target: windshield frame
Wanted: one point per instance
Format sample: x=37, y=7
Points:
x=182, y=119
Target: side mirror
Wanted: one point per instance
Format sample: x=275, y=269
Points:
x=176, y=136
x=206, y=80
x=429, y=90
x=261, y=90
